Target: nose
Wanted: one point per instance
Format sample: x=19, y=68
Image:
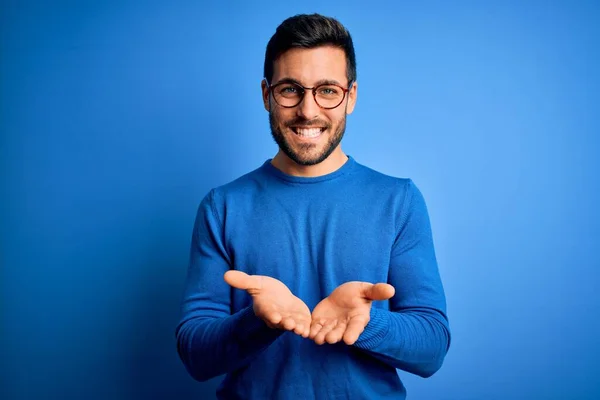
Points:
x=308, y=107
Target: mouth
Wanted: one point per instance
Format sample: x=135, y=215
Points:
x=308, y=133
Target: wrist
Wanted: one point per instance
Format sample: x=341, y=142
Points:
x=375, y=330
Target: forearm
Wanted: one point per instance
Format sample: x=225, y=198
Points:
x=210, y=346
x=415, y=341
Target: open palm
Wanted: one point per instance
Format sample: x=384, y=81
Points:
x=345, y=313
x=273, y=302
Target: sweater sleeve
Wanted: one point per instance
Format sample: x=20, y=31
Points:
x=211, y=339
x=414, y=334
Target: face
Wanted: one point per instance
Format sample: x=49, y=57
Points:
x=308, y=134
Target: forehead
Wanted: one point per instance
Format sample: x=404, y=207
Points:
x=311, y=65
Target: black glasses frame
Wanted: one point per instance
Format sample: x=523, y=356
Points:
x=306, y=89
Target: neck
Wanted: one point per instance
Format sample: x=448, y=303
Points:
x=331, y=164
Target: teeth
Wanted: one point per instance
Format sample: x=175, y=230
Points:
x=312, y=132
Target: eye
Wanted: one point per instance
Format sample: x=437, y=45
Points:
x=288, y=89
x=328, y=91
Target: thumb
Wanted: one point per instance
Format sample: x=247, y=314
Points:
x=241, y=280
x=378, y=291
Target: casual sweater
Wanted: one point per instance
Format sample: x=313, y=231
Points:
x=313, y=234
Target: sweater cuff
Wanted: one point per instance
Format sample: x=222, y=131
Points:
x=253, y=330
x=249, y=321
x=375, y=331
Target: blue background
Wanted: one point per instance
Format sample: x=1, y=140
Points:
x=118, y=117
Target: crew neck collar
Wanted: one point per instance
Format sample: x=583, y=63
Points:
x=345, y=168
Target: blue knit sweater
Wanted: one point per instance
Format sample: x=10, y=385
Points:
x=313, y=234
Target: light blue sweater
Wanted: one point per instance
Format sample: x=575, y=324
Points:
x=313, y=234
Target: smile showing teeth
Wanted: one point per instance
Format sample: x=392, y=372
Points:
x=308, y=133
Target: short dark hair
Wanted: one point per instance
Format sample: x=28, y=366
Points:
x=310, y=31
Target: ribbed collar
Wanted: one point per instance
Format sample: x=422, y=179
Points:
x=344, y=169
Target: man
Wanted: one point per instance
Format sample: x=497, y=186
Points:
x=313, y=276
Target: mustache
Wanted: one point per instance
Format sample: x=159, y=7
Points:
x=304, y=123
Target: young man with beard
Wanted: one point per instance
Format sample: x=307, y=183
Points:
x=313, y=276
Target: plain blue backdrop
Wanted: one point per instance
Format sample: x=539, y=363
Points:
x=117, y=117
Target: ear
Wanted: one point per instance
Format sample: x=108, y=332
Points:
x=265, y=94
x=352, y=96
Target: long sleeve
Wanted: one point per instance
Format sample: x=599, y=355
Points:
x=414, y=334
x=211, y=340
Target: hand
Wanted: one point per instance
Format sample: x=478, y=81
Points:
x=345, y=313
x=273, y=302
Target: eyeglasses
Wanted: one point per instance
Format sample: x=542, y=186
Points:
x=290, y=94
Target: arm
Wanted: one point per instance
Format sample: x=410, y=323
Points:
x=414, y=334
x=211, y=340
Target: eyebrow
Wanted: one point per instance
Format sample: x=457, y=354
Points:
x=319, y=82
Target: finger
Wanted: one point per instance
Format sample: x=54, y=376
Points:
x=315, y=328
x=302, y=325
x=356, y=326
x=327, y=327
x=298, y=329
x=241, y=280
x=306, y=332
x=288, y=323
x=378, y=291
x=307, y=328
x=298, y=324
x=273, y=318
x=336, y=334
x=270, y=325
x=301, y=329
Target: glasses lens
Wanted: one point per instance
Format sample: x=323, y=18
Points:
x=288, y=94
x=329, y=96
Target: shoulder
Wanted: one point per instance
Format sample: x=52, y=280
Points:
x=400, y=195
x=238, y=190
x=247, y=182
x=386, y=183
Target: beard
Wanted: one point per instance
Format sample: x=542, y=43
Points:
x=303, y=154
